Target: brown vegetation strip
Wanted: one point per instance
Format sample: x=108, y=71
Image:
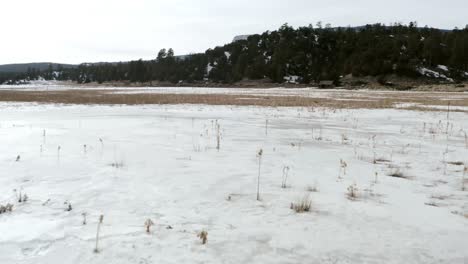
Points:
x=343, y=99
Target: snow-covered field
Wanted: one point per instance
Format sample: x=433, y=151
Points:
x=133, y=163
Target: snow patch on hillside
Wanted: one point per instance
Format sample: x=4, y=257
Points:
x=209, y=68
x=293, y=79
x=443, y=67
x=433, y=74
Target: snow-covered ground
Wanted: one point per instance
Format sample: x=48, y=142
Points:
x=170, y=171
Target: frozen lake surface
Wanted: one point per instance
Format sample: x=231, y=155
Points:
x=131, y=163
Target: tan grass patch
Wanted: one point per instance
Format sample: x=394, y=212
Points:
x=338, y=100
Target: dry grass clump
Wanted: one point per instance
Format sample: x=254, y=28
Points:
x=303, y=205
x=312, y=188
x=6, y=208
x=433, y=204
x=117, y=164
x=456, y=163
x=203, y=235
x=381, y=160
x=397, y=173
x=352, y=192
x=148, y=224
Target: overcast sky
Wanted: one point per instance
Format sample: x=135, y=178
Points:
x=75, y=31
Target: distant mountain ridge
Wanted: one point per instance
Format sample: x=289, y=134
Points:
x=42, y=66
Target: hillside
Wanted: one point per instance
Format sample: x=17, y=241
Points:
x=305, y=55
